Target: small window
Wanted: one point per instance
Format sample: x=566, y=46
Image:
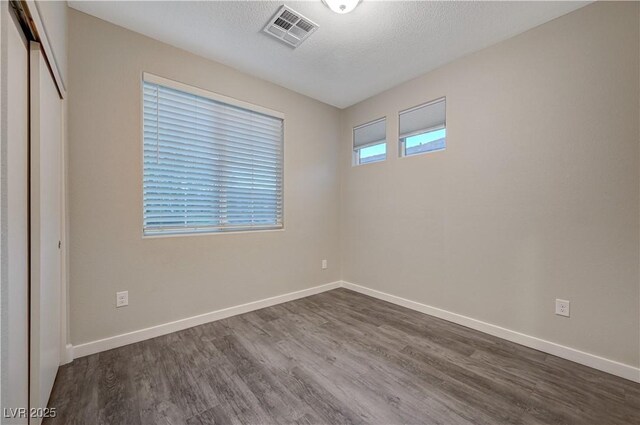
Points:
x=423, y=128
x=211, y=163
x=370, y=142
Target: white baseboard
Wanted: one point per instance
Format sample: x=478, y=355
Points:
x=610, y=366
x=67, y=356
x=93, y=347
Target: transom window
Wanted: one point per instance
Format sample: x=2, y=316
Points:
x=423, y=128
x=370, y=142
x=211, y=163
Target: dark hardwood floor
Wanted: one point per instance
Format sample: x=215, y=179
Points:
x=336, y=358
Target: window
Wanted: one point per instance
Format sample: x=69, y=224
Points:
x=211, y=163
x=370, y=142
x=423, y=128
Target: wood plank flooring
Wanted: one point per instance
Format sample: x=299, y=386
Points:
x=336, y=358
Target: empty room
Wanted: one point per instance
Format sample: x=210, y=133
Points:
x=319, y=212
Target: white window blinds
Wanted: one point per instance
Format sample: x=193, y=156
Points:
x=424, y=118
x=209, y=166
x=369, y=134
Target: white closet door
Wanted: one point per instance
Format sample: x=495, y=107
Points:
x=46, y=179
x=17, y=162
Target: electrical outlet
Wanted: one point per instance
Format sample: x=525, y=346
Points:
x=562, y=307
x=324, y=264
x=122, y=299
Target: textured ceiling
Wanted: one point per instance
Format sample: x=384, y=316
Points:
x=350, y=57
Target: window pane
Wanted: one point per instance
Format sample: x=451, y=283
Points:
x=370, y=142
x=373, y=153
x=423, y=128
x=208, y=166
x=427, y=142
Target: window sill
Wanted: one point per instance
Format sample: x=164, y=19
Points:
x=230, y=232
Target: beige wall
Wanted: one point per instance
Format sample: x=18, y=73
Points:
x=535, y=198
x=177, y=277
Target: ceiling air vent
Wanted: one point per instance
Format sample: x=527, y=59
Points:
x=290, y=27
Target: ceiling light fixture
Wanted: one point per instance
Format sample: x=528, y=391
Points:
x=341, y=6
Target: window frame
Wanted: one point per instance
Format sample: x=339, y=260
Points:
x=402, y=149
x=194, y=90
x=355, y=152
